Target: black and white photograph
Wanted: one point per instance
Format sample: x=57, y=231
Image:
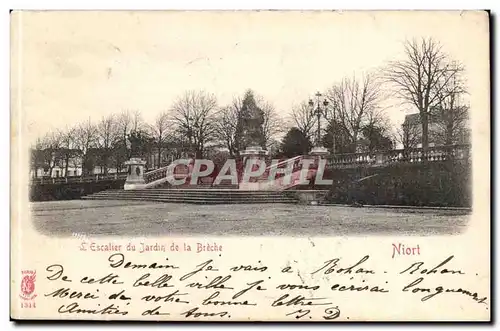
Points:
x=331, y=133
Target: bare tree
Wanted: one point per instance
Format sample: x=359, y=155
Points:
x=124, y=124
x=355, y=103
x=194, y=115
x=46, y=153
x=85, y=139
x=304, y=119
x=159, y=131
x=129, y=121
x=408, y=136
x=107, y=134
x=273, y=125
x=37, y=159
x=450, y=114
x=52, y=143
x=226, y=126
x=137, y=121
x=420, y=78
x=452, y=125
x=67, y=150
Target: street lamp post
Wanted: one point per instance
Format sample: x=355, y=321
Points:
x=334, y=127
x=318, y=108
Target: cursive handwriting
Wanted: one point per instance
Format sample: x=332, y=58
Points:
x=236, y=291
x=250, y=286
x=438, y=290
x=68, y=293
x=298, y=314
x=57, y=273
x=216, y=283
x=154, y=312
x=248, y=268
x=160, y=282
x=117, y=260
x=298, y=300
x=205, y=266
x=195, y=313
x=171, y=297
x=73, y=308
x=297, y=287
x=358, y=288
x=108, y=279
x=210, y=301
x=437, y=269
x=331, y=266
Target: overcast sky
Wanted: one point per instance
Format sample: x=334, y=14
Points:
x=75, y=65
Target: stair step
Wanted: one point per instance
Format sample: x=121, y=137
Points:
x=190, y=195
x=191, y=187
x=198, y=201
x=187, y=199
x=198, y=196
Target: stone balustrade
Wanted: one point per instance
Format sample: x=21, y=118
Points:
x=160, y=173
x=352, y=160
x=415, y=155
x=77, y=179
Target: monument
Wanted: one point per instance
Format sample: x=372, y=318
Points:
x=251, y=136
x=135, y=165
x=319, y=151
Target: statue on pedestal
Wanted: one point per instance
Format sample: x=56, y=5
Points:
x=135, y=165
x=250, y=131
x=134, y=143
x=250, y=135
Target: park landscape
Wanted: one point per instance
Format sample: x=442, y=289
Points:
x=106, y=175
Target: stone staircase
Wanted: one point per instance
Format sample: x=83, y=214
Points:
x=200, y=186
x=195, y=196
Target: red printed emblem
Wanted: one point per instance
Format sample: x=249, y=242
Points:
x=28, y=284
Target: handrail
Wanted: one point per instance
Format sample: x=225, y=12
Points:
x=77, y=179
x=401, y=150
x=413, y=155
x=163, y=180
x=284, y=162
x=152, y=172
x=379, y=158
x=277, y=183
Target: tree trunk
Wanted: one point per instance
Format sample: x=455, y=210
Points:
x=425, y=131
x=355, y=142
x=199, y=152
x=84, y=161
x=105, y=165
x=449, y=132
x=66, y=166
x=159, y=157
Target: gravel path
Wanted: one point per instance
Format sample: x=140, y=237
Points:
x=126, y=218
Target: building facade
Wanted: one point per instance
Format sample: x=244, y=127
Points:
x=442, y=130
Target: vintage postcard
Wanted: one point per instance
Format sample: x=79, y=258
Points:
x=250, y=165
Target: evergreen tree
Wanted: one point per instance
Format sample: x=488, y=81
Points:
x=249, y=130
x=295, y=143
